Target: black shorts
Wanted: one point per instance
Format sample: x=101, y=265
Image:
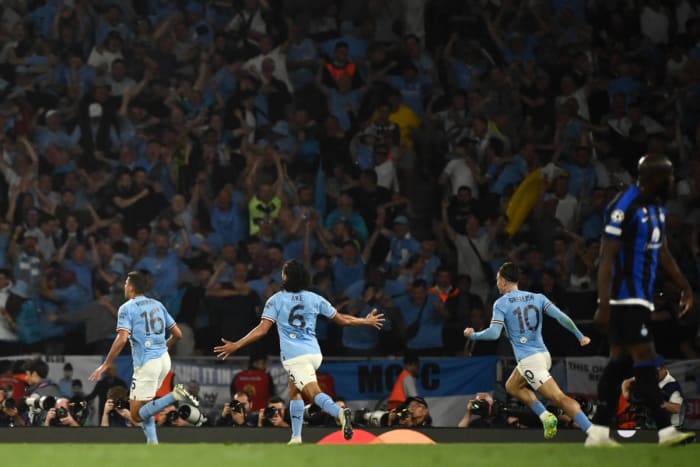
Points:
x=629, y=324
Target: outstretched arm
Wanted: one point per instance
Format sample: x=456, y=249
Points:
x=492, y=333
x=257, y=333
x=551, y=310
x=374, y=319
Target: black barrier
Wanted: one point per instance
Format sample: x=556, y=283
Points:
x=281, y=435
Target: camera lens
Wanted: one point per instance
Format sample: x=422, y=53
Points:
x=9, y=404
x=271, y=412
x=61, y=412
x=236, y=406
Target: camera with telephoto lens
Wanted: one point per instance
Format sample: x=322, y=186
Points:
x=270, y=412
x=480, y=407
x=191, y=414
x=371, y=418
x=61, y=412
x=37, y=403
x=403, y=413
x=121, y=404
x=236, y=406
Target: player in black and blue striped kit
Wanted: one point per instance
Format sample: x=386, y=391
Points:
x=633, y=247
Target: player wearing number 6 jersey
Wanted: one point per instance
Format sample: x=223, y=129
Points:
x=521, y=313
x=295, y=310
x=144, y=321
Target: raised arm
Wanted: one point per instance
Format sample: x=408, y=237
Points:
x=449, y=231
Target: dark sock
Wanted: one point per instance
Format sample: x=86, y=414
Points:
x=646, y=390
x=609, y=388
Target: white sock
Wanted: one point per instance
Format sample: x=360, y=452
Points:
x=545, y=414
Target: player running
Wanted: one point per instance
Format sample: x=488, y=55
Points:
x=295, y=310
x=143, y=321
x=521, y=313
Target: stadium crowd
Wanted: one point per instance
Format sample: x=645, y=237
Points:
x=379, y=141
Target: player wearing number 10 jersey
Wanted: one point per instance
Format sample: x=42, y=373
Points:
x=144, y=321
x=295, y=310
x=521, y=313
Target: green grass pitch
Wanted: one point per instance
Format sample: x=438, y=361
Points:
x=440, y=455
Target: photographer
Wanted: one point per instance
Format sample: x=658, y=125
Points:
x=9, y=414
x=116, y=409
x=485, y=412
x=414, y=413
x=314, y=416
x=273, y=414
x=71, y=412
x=237, y=412
x=36, y=372
x=480, y=413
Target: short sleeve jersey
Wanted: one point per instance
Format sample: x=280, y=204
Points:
x=146, y=320
x=295, y=315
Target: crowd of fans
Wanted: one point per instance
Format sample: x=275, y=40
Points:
x=379, y=141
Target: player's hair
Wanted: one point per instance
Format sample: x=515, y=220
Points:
x=297, y=277
x=137, y=280
x=510, y=272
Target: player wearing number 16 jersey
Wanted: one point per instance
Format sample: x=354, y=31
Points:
x=295, y=310
x=521, y=313
x=144, y=321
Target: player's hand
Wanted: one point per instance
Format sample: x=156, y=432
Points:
x=97, y=373
x=686, y=302
x=601, y=317
x=375, y=319
x=223, y=351
x=468, y=332
x=585, y=340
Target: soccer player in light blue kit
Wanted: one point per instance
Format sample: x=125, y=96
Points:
x=295, y=310
x=521, y=313
x=143, y=321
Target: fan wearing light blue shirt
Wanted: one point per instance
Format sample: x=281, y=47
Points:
x=143, y=321
x=521, y=313
x=295, y=310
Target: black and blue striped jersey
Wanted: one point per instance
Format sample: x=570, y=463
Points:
x=641, y=227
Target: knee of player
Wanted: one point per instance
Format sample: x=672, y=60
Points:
x=135, y=415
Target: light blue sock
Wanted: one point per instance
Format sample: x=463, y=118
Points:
x=155, y=406
x=148, y=425
x=296, y=411
x=583, y=421
x=538, y=408
x=324, y=401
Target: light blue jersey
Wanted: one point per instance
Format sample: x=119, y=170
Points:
x=295, y=315
x=521, y=313
x=146, y=320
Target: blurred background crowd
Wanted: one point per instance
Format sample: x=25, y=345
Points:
x=380, y=142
